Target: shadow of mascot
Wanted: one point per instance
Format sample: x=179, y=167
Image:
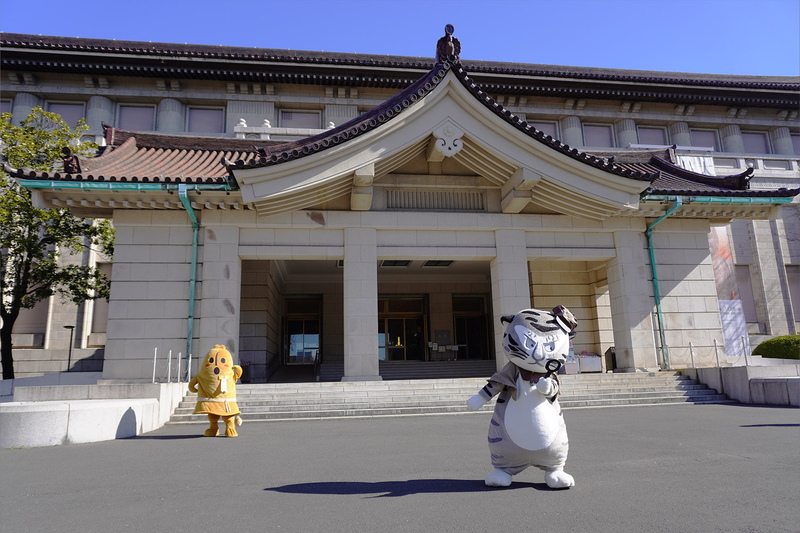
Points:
x=215, y=385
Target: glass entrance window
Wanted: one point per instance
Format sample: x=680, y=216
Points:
x=303, y=341
x=401, y=339
x=471, y=337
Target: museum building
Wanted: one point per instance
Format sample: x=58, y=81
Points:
x=356, y=213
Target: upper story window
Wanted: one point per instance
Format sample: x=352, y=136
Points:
x=652, y=135
x=136, y=117
x=796, y=144
x=705, y=138
x=598, y=135
x=5, y=106
x=70, y=112
x=549, y=128
x=299, y=119
x=755, y=142
x=205, y=120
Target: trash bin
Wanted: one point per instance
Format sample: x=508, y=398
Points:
x=610, y=360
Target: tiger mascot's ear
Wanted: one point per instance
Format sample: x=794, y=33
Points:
x=507, y=319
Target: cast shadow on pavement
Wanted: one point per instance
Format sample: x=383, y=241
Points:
x=382, y=489
x=169, y=437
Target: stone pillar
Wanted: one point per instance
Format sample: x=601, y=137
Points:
x=218, y=300
x=782, y=141
x=23, y=103
x=770, y=285
x=679, y=134
x=361, y=305
x=631, y=293
x=338, y=114
x=732, y=139
x=99, y=109
x=571, y=131
x=170, y=116
x=510, y=283
x=626, y=132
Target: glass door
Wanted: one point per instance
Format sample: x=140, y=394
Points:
x=470, y=323
x=302, y=328
x=401, y=329
x=303, y=341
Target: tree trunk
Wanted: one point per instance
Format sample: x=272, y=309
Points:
x=5, y=348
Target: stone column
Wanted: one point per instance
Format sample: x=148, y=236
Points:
x=218, y=298
x=782, y=141
x=510, y=283
x=626, y=132
x=732, y=139
x=679, y=134
x=631, y=293
x=99, y=109
x=770, y=285
x=170, y=116
x=23, y=103
x=361, y=305
x=571, y=131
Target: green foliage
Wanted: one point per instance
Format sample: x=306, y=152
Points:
x=34, y=241
x=784, y=347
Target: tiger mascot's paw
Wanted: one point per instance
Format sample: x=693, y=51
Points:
x=559, y=480
x=498, y=478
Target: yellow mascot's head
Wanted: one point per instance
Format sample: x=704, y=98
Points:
x=218, y=362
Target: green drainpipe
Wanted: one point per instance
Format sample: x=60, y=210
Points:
x=656, y=293
x=192, y=276
x=182, y=189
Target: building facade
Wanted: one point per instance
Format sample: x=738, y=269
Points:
x=359, y=212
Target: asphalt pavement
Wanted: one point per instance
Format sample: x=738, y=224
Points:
x=675, y=468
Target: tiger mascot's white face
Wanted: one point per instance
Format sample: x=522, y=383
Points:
x=533, y=337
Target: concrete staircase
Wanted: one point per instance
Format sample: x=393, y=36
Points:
x=392, y=370
x=293, y=401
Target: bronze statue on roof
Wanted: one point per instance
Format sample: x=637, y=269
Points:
x=448, y=46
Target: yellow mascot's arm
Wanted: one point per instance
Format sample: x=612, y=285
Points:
x=193, y=385
x=237, y=373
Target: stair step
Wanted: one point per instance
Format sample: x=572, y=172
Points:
x=292, y=401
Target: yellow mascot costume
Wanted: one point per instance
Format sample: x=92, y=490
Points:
x=215, y=385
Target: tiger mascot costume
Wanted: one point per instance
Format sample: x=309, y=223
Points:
x=527, y=427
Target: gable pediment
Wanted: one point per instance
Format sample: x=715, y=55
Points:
x=448, y=123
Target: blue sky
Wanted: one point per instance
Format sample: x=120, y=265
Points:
x=757, y=37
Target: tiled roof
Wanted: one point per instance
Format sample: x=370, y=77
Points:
x=395, y=106
x=137, y=157
x=675, y=180
x=23, y=52
x=153, y=158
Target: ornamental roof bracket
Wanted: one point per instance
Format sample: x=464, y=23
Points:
x=447, y=142
x=361, y=195
x=516, y=193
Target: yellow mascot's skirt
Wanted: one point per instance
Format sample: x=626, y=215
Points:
x=217, y=406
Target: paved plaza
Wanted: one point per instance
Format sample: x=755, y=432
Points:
x=676, y=468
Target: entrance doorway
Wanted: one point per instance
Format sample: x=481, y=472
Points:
x=472, y=338
x=302, y=326
x=402, y=329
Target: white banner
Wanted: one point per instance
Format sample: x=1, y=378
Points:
x=734, y=328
